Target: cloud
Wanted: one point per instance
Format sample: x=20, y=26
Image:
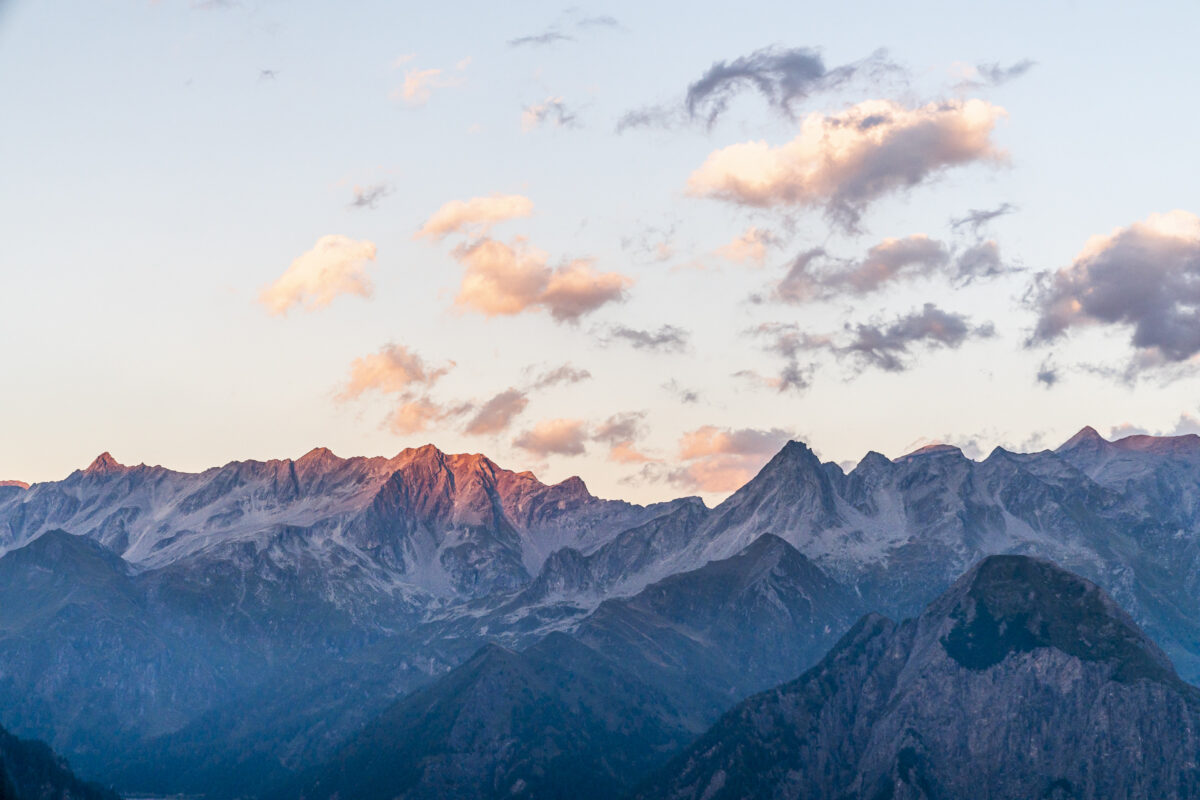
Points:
x=572, y=17
x=651, y=117
x=888, y=346
x=782, y=76
x=1144, y=278
x=507, y=279
x=498, y=413
x=599, y=21
x=651, y=244
x=621, y=432
x=993, y=74
x=563, y=374
x=724, y=459
x=565, y=437
x=369, y=196
x=395, y=369
x=419, y=85
x=977, y=218
x=552, y=110
x=816, y=275
x=667, y=339
x=789, y=343
x=750, y=247
x=888, y=261
x=542, y=39
x=1186, y=424
x=415, y=416
x=475, y=216
x=843, y=162
x=681, y=393
x=1048, y=374
x=335, y=266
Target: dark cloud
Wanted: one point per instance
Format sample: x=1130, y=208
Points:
x=682, y=393
x=1144, y=279
x=782, y=76
x=651, y=117
x=540, y=39
x=788, y=342
x=572, y=18
x=982, y=260
x=599, y=21
x=993, y=74
x=1048, y=374
x=667, y=339
x=816, y=275
x=369, y=196
x=888, y=347
x=976, y=218
x=564, y=374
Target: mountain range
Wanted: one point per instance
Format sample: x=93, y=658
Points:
x=255, y=625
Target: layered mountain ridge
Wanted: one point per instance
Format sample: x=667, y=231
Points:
x=170, y=631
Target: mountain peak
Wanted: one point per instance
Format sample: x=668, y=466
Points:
x=318, y=456
x=937, y=448
x=104, y=464
x=1087, y=437
x=1015, y=604
x=17, y=484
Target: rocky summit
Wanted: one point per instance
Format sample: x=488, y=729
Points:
x=1022, y=680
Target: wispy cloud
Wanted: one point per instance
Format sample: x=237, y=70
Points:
x=784, y=77
x=475, y=216
x=572, y=19
x=369, y=196
x=420, y=84
x=667, y=339
x=336, y=265
x=552, y=111
x=564, y=374
x=750, y=247
x=990, y=75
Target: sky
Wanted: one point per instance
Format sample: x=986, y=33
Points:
x=645, y=244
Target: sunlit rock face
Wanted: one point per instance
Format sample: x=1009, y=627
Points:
x=1022, y=680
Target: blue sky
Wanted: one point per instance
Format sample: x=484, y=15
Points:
x=164, y=163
